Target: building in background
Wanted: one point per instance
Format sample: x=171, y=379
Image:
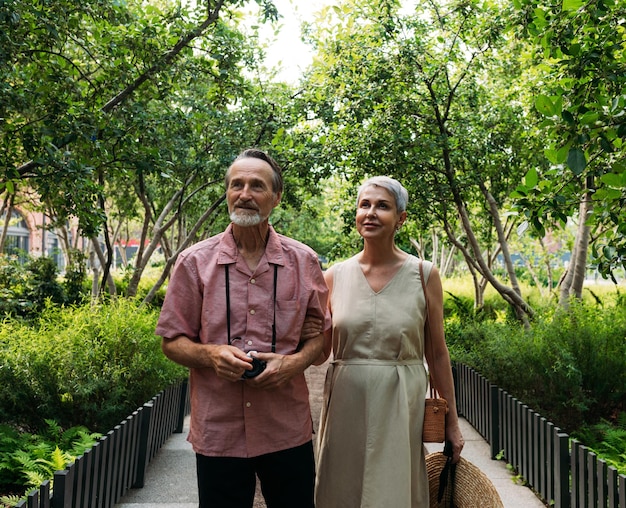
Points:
x=28, y=233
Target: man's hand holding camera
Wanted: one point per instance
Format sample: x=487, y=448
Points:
x=233, y=364
x=229, y=362
x=278, y=370
x=262, y=370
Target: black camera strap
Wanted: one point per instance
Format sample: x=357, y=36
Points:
x=228, y=306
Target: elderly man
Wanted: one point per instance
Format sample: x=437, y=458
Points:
x=234, y=314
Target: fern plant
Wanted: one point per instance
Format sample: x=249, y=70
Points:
x=608, y=440
x=37, y=470
x=27, y=460
x=10, y=501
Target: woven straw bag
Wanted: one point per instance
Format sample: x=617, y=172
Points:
x=469, y=488
x=435, y=411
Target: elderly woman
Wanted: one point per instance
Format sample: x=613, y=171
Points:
x=370, y=450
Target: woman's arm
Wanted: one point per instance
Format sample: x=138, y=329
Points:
x=438, y=359
x=328, y=334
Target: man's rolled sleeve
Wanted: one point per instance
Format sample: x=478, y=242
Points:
x=182, y=307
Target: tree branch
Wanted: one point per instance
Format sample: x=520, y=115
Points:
x=162, y=63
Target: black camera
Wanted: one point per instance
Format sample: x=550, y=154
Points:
x=258, y=366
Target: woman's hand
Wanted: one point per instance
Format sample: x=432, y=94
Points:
x=454, y=436
x=311, y=328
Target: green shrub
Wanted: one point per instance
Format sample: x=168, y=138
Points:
x=42, y=284
x=76, y=368
x=570, y=366
x=12, y=281
x=89, y=365
x=75, y=281
x=26, y=288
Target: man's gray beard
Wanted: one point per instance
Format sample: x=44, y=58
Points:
x=245, y=220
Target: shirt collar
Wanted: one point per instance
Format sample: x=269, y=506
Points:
x=228, y=252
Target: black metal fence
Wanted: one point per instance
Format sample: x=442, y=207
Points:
x=563, y=473
x=118, y=461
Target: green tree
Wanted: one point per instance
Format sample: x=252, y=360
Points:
x=130, y=123
x=426, y=98
x=578, y=76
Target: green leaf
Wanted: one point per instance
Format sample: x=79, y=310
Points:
x=576, y=160
x=520, y=192
x=606, y=145
x=567, y=116
x=589, y=117
x=531, y=178
x=572, y=5
x=552, y=155
x=562, y=154
x=612, y=179
x=574, y=49
x=538, y=226
x=613, y=194
x=544, y=105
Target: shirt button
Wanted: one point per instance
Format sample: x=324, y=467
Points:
x=252, y=281
x=252, y=311
x=248, y=404
x=249, y=343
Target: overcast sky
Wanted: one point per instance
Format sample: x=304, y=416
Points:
x=287, y=46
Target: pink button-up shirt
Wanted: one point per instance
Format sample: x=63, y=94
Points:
x=234, y=419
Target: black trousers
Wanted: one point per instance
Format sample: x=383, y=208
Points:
x=287, y=479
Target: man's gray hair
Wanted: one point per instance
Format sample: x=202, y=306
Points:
x=255, y=153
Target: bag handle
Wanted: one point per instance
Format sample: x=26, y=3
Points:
x=432, y=383
x=447, y=476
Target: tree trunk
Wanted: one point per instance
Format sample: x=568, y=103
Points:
x=159, y=232
x=7, y=206
x=446, y=262
x=103, y=262
x=510, y=294
x=473, y=253
x=95, y=276
x=418, y=247
x=533, y=274
x=502, y=238
x=174, y=207
x=479, y=288
x=66, y=246
x=572, y=284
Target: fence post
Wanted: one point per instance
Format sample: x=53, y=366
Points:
x=62, y=492
x=494, y=438
x=44, y=494
x=142, y=453
x=182, y=407
x=562, y=471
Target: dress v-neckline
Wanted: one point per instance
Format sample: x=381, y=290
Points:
x=387, y=284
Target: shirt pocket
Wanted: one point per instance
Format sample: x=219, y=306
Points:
x=289, y=319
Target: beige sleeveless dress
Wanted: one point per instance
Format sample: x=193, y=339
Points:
x=370, y=450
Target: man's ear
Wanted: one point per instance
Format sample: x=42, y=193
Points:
x=278, y=195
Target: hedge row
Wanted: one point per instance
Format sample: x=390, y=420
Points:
x=86, y=365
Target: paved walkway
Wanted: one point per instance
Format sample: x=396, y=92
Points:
x=171, y=475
